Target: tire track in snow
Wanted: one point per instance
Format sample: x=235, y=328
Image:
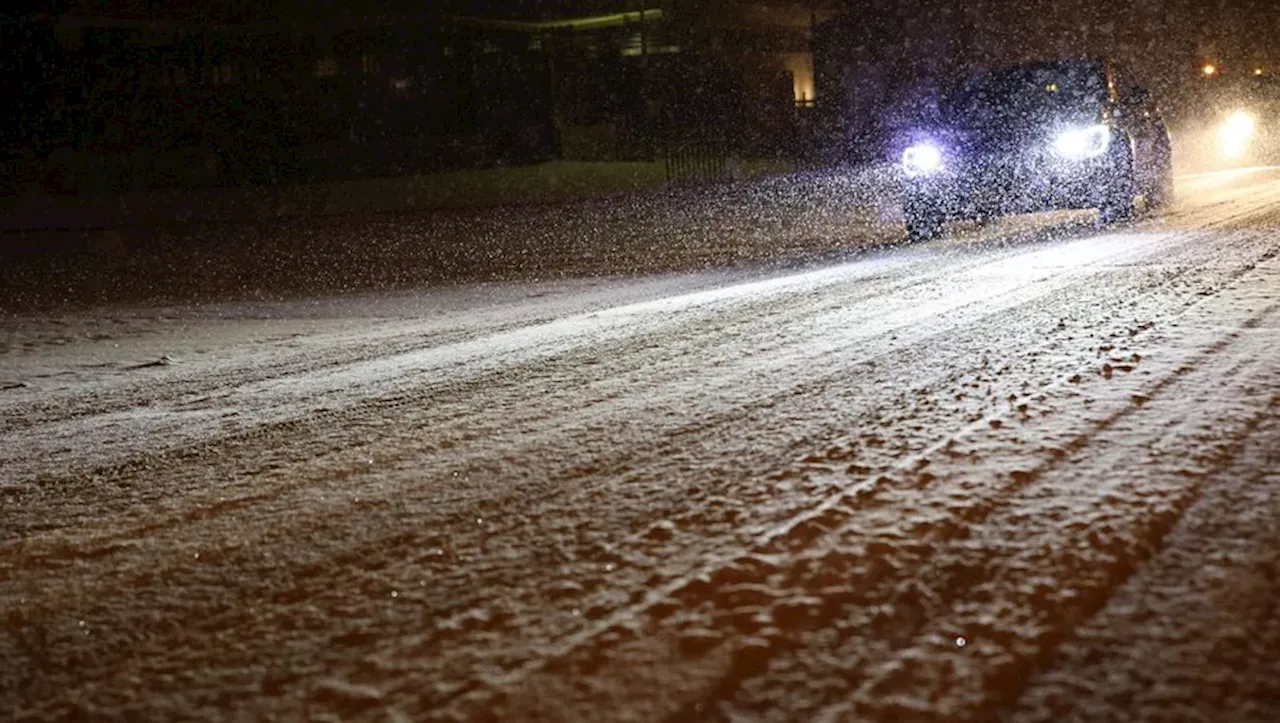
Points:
x=663, y=331
x=184, y=429
x=914, y=341
x=1072, y=551
x=183, y=384
x=814, y=525
x=181, y=387
x=1192, y=635
x=820, y=330
x=188, y=531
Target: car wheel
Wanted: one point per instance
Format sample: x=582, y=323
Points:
x=923, y=222
x=1119, y=203
x=1162, y=194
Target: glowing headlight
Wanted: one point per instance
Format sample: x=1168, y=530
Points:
x=1237, y=133
x=1083, y=143
x=922, y=159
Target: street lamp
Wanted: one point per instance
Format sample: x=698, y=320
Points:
x=1209, y=70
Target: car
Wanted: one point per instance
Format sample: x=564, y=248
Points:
x=1233, y=122
x=1036, y=136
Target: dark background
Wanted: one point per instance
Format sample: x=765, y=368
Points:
x=122, y=95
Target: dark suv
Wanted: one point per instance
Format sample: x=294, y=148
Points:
x=1033, y=137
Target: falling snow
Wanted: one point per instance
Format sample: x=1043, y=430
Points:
x=784, y=470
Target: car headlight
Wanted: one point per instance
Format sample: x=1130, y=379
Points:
x=922, y=159
x=1082, y=143
x=1236, y=134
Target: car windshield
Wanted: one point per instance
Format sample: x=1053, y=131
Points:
x=1026, y=93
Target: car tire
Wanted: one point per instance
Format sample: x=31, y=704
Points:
x=923, y=222
x=1121, y=196
x=1162, y=194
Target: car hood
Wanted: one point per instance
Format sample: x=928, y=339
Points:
x=1009, y=136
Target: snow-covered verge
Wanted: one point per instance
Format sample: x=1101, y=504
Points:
x=772, y=220
x=551, y=182
x=965, y=480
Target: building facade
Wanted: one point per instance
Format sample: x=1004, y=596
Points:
x=237, y=93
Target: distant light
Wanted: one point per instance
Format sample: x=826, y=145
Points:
x=1236, y=134
x=1052, y=87
x=1258, y=71
x=1209, y=70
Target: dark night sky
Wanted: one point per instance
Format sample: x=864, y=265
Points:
x=303, y=9
x=1164, y=38
x=1234, y=32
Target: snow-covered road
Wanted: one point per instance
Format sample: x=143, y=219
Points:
x=1029, y=471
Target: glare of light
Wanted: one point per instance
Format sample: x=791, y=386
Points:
x=1258, y=71
x=802, y=78
x=1236, y=134
x=1209, y=70
x=1082, y=143
x=922, y=159
x=1052, y=87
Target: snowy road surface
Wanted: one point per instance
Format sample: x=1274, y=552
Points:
x=1027, y=472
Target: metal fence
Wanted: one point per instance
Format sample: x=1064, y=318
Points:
x=698, y=160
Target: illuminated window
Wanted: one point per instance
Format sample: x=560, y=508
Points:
x=326, y=68
x=650, y=40
x=800, y=65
